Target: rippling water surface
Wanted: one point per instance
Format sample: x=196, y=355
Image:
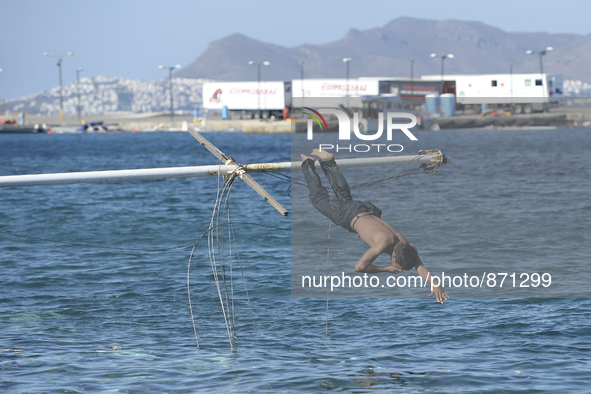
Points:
x=79, y=318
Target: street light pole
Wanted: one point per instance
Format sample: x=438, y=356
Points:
x=170, y=88
x=252, y=63
x=443, y=57
x=541, y=53
x=78, y=93
x=347, y=60
x=59, y=65
x=511, y=81
x=302, y=75
x=412, y=72
x=2, y=101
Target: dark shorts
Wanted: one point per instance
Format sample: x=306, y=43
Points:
x=362, y=213
x=341, y=209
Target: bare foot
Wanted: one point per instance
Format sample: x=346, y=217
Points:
x=322, y=154
x=304, y=158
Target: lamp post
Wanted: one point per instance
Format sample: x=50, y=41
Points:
x=1, y=101
x=253, y=63
x=443, y=57
x=79, y=110
x=347, y=60
x=511, y=81
x=170, y=88
x=302, y=75
x=59, y=65
x=541, y=53
x=412, y=74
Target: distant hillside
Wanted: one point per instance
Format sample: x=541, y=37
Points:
x=108, y=94
x=388, y=50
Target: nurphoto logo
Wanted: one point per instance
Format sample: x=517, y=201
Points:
x=345, y=129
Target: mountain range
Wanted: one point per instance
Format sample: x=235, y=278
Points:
x=387, y=51
x=379, y=52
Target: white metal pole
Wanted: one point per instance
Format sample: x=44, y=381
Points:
x=197, y=171
x=109, y=176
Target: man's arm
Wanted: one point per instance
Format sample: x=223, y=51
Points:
x=440, y=294
x=365, y=262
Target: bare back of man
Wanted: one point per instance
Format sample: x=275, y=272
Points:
x=381, y=238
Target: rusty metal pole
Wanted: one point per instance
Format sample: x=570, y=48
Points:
x=228, y=160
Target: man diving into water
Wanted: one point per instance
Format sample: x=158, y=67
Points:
x=363, y=218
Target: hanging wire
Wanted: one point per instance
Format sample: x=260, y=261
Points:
x=327, y=274
x=221, y=220
x=212, y=255
x=243, y=277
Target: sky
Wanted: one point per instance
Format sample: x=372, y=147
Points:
x=130, y=38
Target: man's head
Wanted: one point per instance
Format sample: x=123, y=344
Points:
x=406, y=256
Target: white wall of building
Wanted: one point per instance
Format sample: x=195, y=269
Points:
x=335, y=87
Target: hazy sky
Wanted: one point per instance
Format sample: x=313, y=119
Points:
x=130, y=38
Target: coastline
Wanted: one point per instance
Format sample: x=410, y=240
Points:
x=150, y=122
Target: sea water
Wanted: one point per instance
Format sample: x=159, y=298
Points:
x=106, y=309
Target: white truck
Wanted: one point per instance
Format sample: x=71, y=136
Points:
x=518, y=93
x=248, y=98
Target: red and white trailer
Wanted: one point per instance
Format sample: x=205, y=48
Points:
x=269, y=97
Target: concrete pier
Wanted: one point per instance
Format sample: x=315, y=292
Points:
x=250, y=126
x=558, y=117
x=472, y=121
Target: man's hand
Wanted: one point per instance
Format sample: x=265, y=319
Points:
x=440, y=294
x=322, y=154
x=304, y=157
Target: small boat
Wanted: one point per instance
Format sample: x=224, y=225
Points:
x=94, y=127
x=11, y=128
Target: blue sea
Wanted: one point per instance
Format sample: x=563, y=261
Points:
x=93, y=284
